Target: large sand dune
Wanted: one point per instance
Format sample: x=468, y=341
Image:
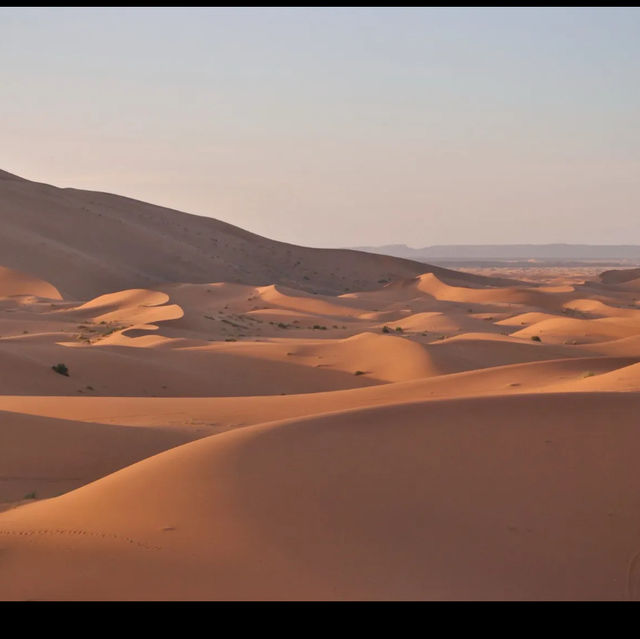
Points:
x=238, y=418
x=384, y=503
x=88, y=243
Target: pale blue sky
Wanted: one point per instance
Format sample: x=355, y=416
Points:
x=338, y=126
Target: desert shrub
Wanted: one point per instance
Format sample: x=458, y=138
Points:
x=536, y=338
x=61, y=369
x=399, y=329
x=386, y=329
x=359, y=373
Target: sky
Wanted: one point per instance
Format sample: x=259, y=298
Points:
x=338, y=126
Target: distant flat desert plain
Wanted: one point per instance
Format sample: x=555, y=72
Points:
x=189, y=411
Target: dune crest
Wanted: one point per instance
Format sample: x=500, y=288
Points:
x=14, y=283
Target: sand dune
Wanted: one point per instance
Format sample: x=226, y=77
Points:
x=483, y=350
x=625, y=346
x=380, y=357
x=224, y=413
x=13, y=283
x=596, y=308
x=47, y=456
x=620, y=276
x=625, y=378
x=542, y=298
x=89, y=243
x=443, y=323
x=151, y=371
x=191, y=411
x=130, y=309
x=320, y=508
x=631, y=285
x=292, y=300
x=580, y=331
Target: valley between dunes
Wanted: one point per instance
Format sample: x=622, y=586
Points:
x=426, y=434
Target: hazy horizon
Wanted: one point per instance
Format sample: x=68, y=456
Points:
x=338, y=126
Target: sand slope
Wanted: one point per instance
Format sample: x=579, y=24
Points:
x=620, y=276
x=13, y=283
x=49, y=456
x=224, y=413
x=392, y=502
x=89, y=243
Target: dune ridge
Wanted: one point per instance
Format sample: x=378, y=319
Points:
x=90, y=243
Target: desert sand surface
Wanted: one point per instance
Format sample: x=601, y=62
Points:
x=238, y=418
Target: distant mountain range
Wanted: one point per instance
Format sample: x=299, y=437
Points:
x=476, y=252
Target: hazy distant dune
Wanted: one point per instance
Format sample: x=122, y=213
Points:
x=510, y=251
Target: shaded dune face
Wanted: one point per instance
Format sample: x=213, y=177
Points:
x=89, y=243
x=245, y=419
x=620, y=276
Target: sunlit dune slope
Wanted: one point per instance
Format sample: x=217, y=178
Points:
x=493, y=498
x=13, y=283
x=47, y=456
